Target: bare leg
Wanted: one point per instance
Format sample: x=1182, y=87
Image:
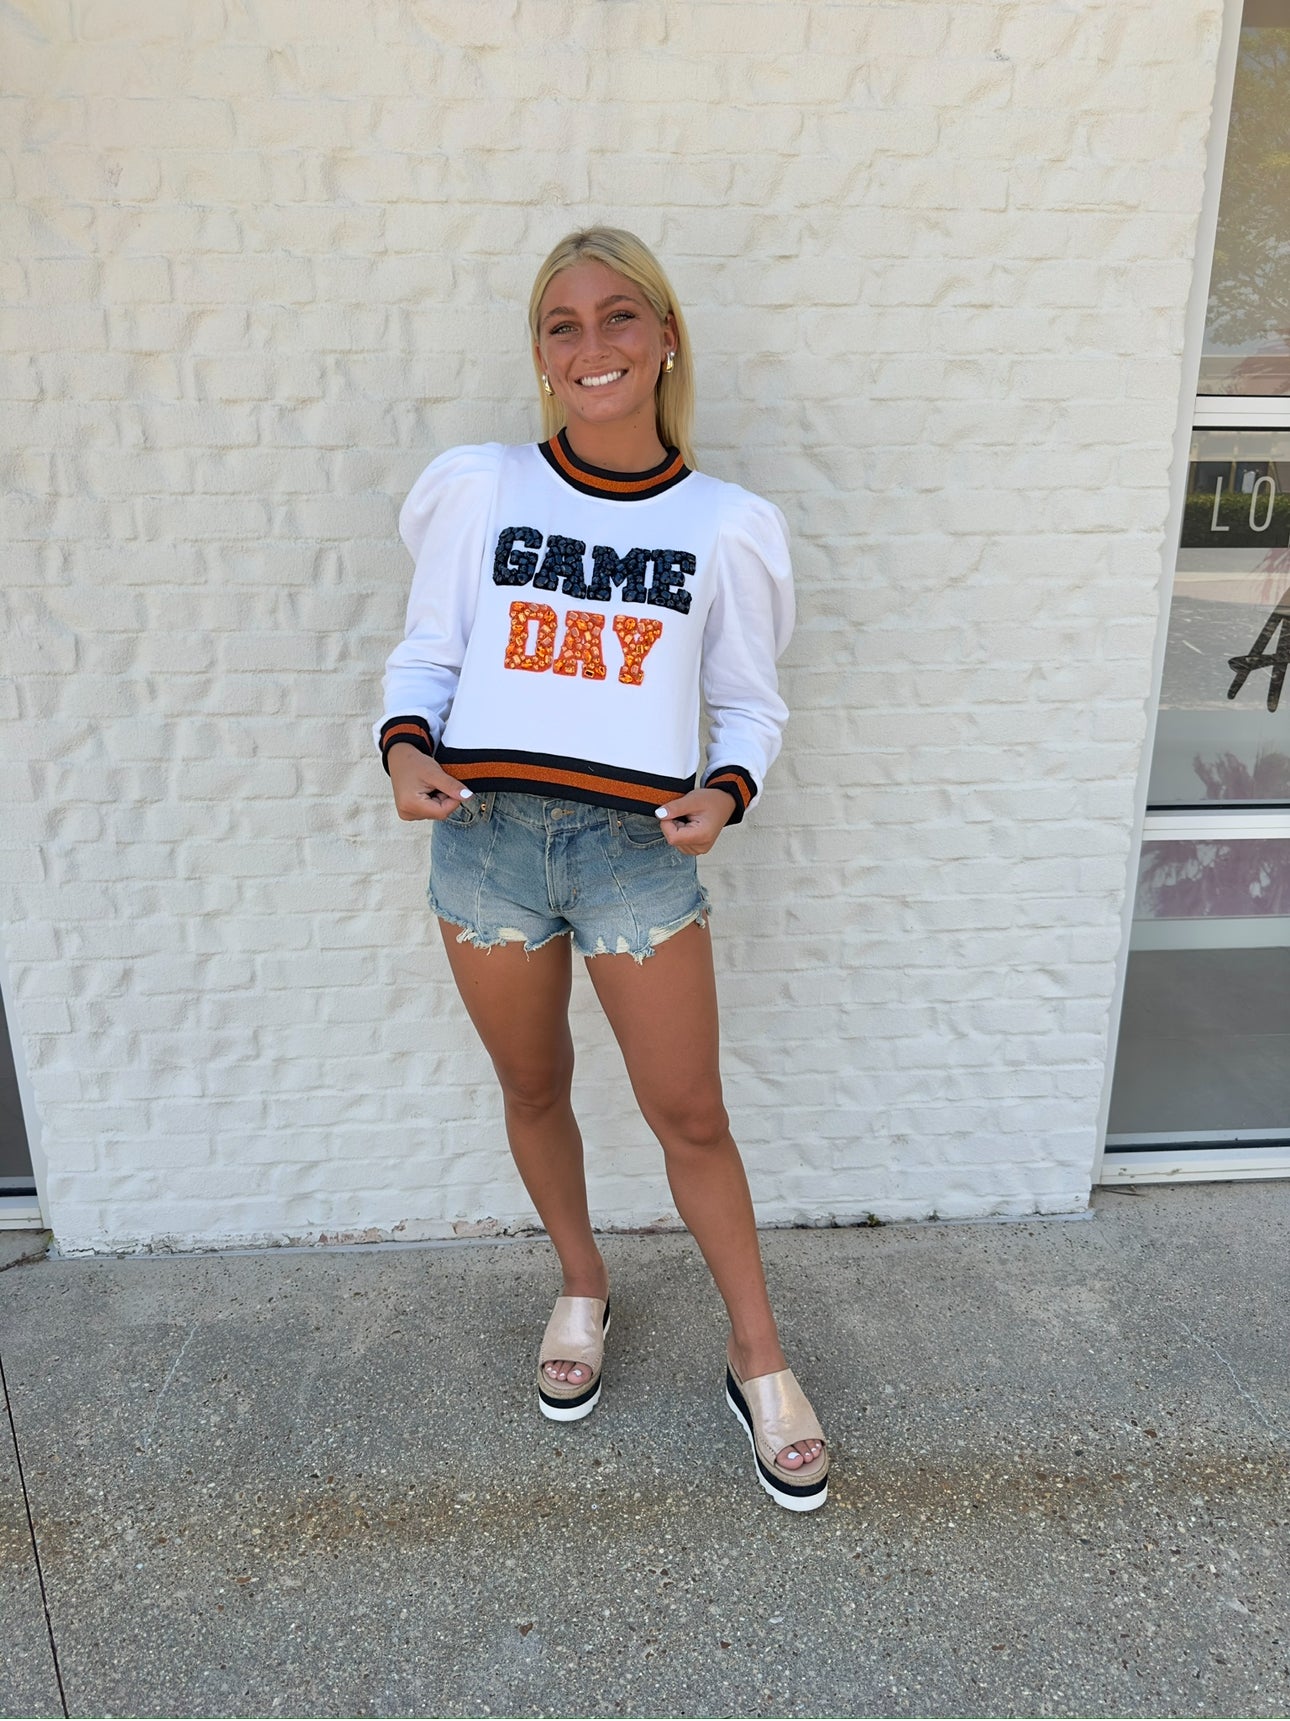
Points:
x=519, y=1004
x=664, y=1015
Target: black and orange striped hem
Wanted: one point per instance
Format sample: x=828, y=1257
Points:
x=562, y=779
x=615, y=486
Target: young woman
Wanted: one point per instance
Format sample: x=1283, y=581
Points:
x=571, y=599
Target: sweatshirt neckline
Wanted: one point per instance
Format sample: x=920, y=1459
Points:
x=616, y=486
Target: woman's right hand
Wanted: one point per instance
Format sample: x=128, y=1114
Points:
x=422, y=788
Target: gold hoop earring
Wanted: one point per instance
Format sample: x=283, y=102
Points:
x=546, y=384
x=669, y=363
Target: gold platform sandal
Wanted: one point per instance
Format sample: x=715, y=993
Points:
x=575, y=1333
x=776, y=1413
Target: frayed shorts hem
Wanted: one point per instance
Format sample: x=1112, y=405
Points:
x=699, y=915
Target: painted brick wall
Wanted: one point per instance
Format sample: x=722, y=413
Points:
x=263, y=258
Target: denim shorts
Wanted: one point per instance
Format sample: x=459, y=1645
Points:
x=512, y=868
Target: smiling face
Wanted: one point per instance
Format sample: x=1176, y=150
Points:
x=602, y=346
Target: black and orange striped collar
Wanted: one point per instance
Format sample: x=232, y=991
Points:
x=615, y=486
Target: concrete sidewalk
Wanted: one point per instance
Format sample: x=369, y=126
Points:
x=316, y=1483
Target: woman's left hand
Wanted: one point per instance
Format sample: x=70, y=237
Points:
x=693, y=822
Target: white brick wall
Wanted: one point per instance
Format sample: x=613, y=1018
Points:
x=263, y=260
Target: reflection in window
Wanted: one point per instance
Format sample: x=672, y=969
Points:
x=1247, y=332
x=1225, y=880
x=1205, y=1032
x=1224, y=726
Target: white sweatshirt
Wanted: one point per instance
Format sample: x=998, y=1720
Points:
x=563, y=619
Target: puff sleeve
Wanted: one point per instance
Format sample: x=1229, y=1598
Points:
x=748, y=626
x=444, y=523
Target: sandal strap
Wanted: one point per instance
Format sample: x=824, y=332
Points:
x=575, y=1332
x=780, y=1410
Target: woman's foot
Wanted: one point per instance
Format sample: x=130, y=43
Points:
x=789, y=1456
x=749, y=1361
x=592, y=1284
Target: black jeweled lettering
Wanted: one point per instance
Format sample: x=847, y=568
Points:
x=563, y=563
x=610, y=569
x=671, y=570
x=512, y=567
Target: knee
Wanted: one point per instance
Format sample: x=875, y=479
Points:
x=535, y=1092
x=692, y=1124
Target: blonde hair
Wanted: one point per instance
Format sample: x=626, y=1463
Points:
x=623, y=251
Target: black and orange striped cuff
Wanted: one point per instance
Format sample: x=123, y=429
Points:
x=739, y=784
x=414, y=730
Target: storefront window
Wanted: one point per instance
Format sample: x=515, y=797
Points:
x=1205, y=1032
x=1247, y=333
x=1224, y=728
x=1203, y=1061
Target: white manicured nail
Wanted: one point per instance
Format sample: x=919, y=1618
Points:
x=466, y=795
x=660, y=812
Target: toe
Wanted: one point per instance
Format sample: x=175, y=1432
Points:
x=801, y=1455
x=567, y=1373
